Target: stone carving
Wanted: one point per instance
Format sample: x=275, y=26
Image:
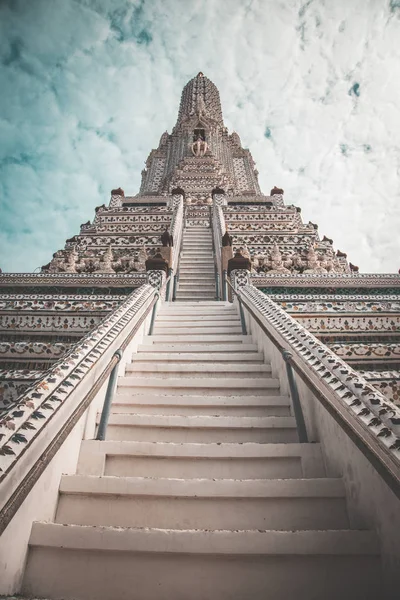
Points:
x=106, y=264
x=276, y=261
x=72, y=259
x=156, y=278
x=142, y=257
x=199, y=147
x=313, y=263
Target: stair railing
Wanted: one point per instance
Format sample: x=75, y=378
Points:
x=286, y=355
x=367, y=417
x=215, y=259
x=41, y=420
x=218, y=230
x=177, y=227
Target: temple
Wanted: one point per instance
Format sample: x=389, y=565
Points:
x=244, y=359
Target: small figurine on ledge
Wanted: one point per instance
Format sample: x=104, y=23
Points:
x=276, y=191
x=238, y=262
x=354, y=268
x=166, y=238
x=226, y=239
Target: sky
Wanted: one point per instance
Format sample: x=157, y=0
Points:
x=87, y=87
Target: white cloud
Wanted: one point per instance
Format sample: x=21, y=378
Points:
x=89, y=86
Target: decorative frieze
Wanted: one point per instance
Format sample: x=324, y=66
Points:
x=327, y=280
x=40, y=303
x=33, y=349
x=49, y=322
x=321, y=324
x=339, y=304
x=112, y=280
x=367, y=351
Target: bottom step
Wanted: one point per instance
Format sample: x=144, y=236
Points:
x=104, y=563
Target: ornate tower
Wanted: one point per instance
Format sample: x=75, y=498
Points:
x=199, y=175
x=200, y=155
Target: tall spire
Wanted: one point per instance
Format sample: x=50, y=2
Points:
x=200, y=97
x=200, y=155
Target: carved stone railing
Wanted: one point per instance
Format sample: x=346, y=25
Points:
x=28, y=419
x=326, y=279
x=81, y=280
x=378, y=416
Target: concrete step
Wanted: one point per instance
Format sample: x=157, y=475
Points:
x=188, y=461
x=232, y=349
x=196, y=325
x=185, y=296
x=188, y=285
x=204, y=429
x=188, y=259
x=205, y=271
x=194, y=279
x=166, y=318
x=200, y=330
x=196, y=369
x=195, y=320
x=193, y=254
x=221, y=406
x=196, y=261
x=243, y=385
x=207, y=305
x=197, y=338
x=281, y=504
x=197, y=245
x=191, y=311
x=194, y=282
x=183, y=357
x=139, y=366
x=105, y=563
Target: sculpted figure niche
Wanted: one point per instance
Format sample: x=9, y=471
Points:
x=199, y=147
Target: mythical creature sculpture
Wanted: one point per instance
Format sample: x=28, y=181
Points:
x=106, y=262
x=313, y=262
x=72, y=259
x=142, y=257
x=277, y=261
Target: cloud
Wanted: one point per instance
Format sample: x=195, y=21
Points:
x=88, y=87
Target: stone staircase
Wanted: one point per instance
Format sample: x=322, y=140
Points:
x=201, y=490
x=196, y=267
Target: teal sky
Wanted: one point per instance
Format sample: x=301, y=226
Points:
x=88, y=87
